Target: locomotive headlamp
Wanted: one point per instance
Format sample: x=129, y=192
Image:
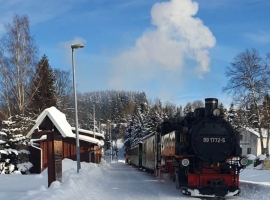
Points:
x=185, y=162
x=244, y=161
x=216, y=112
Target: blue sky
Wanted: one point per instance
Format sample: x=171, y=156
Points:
x=175, y=50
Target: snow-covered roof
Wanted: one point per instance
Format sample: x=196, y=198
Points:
x=89, y=132
x=91, y=139
x=264, y=132
x=59, y=120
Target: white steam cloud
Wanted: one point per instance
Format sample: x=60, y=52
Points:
x=178, y=36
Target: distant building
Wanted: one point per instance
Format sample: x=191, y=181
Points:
x=250, y=141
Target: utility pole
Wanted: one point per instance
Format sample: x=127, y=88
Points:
x=110, y=140
x=94, y=107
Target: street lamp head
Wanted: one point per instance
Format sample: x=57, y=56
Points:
x=76, y=46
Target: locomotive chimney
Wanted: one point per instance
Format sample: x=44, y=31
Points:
x=210, y=105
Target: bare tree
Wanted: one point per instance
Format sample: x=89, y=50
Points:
x=18, y=55
x=248, y=81
x=266, y=119
x=192, y=106
x=197, y=104
x=64, y=89
x=170, y=109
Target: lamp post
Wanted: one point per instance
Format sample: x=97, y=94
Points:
x=94, y=107
x=76, y=46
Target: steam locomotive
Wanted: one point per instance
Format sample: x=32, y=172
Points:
x=199, y=151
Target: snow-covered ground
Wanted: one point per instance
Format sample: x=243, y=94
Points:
x=114, y=181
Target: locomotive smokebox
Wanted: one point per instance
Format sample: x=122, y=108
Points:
x=210, y=105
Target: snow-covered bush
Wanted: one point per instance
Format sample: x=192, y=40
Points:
x=13, y=153
x=11, y=163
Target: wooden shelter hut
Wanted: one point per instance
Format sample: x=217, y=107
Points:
x=51, y=125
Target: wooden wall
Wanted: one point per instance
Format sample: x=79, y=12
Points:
x=68, y=146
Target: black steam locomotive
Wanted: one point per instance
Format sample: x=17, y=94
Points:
x=200, y=151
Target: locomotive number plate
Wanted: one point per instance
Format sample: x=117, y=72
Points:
x=214, y=140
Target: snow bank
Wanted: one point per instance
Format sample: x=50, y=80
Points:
x=261, y=157
x=251, y=157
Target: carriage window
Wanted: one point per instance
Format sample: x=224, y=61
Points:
x=173, y=142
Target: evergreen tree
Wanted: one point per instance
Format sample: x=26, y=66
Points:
x=231, y=114
x=223, y=110
x=44, y=86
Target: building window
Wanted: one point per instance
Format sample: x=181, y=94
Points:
x=248, y=150
x=241, y=137
x=264, y=151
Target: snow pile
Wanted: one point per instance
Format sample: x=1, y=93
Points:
x=73, y=186
x=261, y=157
x=251, y=157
